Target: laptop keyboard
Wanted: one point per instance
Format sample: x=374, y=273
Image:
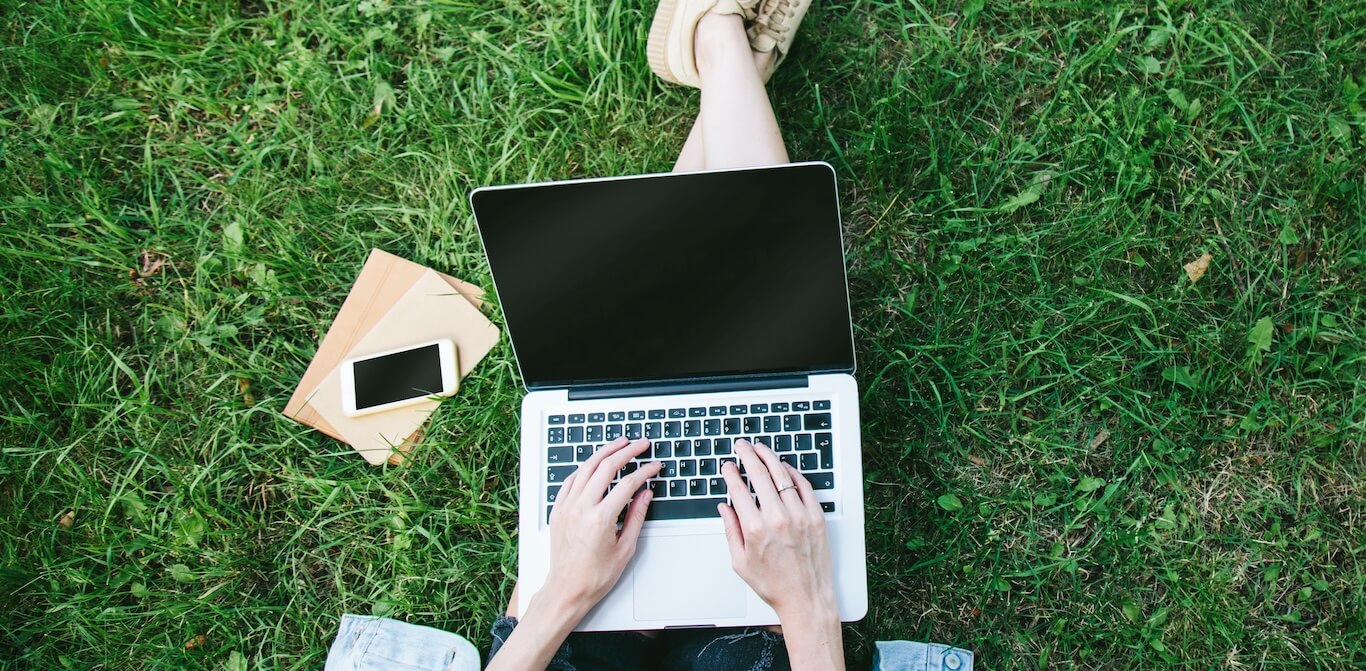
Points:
x=692, y=443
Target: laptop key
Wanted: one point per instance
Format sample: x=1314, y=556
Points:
x=716, y=410
x=816, y=421
x=558, y=473
x=656, y=414
x=556, y=435
x=738, y=409
x=821, y=405
x=660, y=489
x=687, y=468
x=778, y=407
x=613, y=432
x=692, y=428
x=782, y=443
x=636, y=415
x=804, y=441
x=801, y=406
x=596, y=417
x=683, y=509
x=718, y=486
x=697, y=487
x=551, y=492
x=822, y=480
x=827, y=506
x=773, y=424
x=707, y=467
x=697, y=412
x=583, y=452
x=711, y=427
x=752, y=424
x=701, y=447
x=732, y=426
x=677, y=488
x=809, y=461
x=556, y=419
x=576, y=418
x=789, y=459
x=560, y=455
x=669, y=469
x=574, y=434
x=634, y=431
x=758, y=408
x=720, y=446
x=792, y=422
x=673, y=429
x=594, y=433
x=653, y=430
x=675, y=413
x=682, y=448
x=663, y=449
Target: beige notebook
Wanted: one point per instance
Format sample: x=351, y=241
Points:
x=430, y=310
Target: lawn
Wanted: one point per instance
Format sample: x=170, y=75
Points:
x=1078, y=454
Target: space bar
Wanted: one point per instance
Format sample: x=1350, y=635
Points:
x=683, y=509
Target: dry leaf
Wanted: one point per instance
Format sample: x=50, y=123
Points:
x=244, y=388
x=1100, y=438
x=196, y=642
x=1196, y=269
x=68, y=519
x=977, y=460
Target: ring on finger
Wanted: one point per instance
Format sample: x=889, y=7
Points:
x=790, y=485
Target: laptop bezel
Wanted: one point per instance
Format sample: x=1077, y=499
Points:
x=758, y=377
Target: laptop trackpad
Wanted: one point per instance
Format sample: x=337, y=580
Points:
x=686, y=578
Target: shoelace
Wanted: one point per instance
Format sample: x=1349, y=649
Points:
x=781, y=12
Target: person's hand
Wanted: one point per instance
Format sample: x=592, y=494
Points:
x=779, y=546
x=588, y=552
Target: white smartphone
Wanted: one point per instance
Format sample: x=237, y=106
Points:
x=398, y=377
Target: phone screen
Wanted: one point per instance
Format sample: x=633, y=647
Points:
x=397, y=377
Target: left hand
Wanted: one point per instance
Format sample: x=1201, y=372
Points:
x=588, y=553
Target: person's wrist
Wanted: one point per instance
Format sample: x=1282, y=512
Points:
x=565, y=600
x=816, y=611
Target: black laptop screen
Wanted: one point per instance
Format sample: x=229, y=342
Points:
x=671, y=277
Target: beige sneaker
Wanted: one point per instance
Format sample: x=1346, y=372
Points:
x=775, y=28
x=670, y=49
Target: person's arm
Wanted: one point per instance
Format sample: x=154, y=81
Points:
x=780, y=548
x=588, y=553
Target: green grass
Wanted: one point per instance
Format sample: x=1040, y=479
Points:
x=1076, y=458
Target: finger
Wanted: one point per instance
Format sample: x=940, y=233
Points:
x=635, y=519
x=601, y=478
x=588, y=467
x=623, y=491
x=782, y=481
x=740, y=500
x=805, y=490
x=735, y=538
x=758, y=474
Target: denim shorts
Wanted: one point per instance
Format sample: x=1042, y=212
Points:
x=748, y=649
x=374, y=643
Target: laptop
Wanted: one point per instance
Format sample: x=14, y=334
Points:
x=690, y=309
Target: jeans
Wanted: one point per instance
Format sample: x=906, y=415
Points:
x=373, y=643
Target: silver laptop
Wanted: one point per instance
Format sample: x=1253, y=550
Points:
x=693, y=310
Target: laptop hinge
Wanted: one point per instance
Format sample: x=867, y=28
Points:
x=708, y=386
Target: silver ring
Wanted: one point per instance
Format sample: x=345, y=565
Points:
x=790, y=486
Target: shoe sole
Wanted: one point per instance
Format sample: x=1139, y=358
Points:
x=657, y=49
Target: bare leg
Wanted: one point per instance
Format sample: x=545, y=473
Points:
x=748, y=133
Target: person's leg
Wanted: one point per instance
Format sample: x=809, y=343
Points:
x=745, y=132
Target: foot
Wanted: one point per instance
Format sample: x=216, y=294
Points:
x=671, y=49
x=774, y=29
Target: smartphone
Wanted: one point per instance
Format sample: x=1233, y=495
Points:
x=398, y=377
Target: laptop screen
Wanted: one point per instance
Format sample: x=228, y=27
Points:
x=671, y=276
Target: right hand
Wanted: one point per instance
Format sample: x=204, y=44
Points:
x=779, y=547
